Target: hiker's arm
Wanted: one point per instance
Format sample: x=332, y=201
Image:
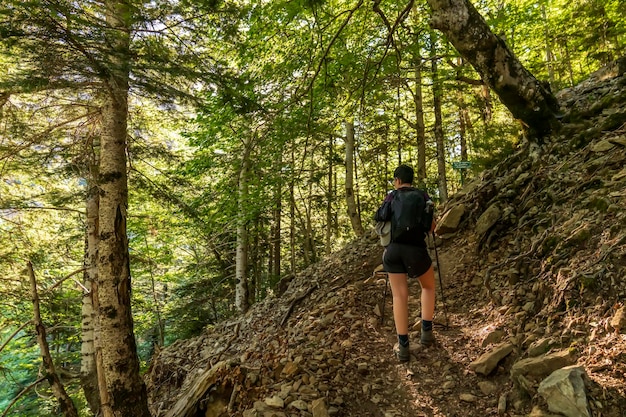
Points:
x=383, y=213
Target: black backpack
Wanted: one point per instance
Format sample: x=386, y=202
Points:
x=412, y=216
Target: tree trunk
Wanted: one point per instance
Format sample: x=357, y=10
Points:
x=526, y=98
x=350, y=199
x=292, y=213
x=276, y=240
x=241, y=260
x=486, y=105
x=88, y=367
x=439, y=139
x=118, y=347
x=462, y=127
x=329, y=197
x=549, y=55
x=68, y=409
x=398, y=126
x=420, y=127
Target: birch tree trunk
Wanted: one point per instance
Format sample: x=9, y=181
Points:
x=88, y=366
x=526, y=98
x=241, y=259
x=439, y=139
x=118, y=347
x=353, y=213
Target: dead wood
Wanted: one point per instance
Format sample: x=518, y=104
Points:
x=65, y=402
x=296, y=301
x=187, y=404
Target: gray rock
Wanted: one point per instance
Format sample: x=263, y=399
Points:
x=502, y=405
x=539, y=347
x=487, y=219
x=275, y=401
x=538, y=412
x=564, y=391
x=494, y=336
x=451, y=219
x=619, y=140
x=619, y=176
x=488, y=361
x=487, y=387
x=618, y=322
x=300, y=405
x=319, y=409
x=468, y=398
x=540, y=367
x=602, y=146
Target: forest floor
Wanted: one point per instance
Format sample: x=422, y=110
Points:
x=332, y=346
x=546, y=275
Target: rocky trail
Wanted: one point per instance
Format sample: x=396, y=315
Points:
x=533, y=261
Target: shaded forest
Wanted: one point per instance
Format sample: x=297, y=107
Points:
x=213, y=150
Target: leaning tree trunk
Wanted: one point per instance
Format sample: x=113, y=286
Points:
x=526, y=98
x=119, y=351
x=353, y=213
x=66, y=406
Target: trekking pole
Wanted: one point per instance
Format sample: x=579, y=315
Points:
x=382, y=307
x=443, y=298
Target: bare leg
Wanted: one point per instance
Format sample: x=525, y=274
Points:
x=400, y=293
x=427, y=282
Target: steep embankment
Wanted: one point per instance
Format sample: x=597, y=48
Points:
x=533, y=263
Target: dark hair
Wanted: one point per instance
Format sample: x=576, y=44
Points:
x=404, y=173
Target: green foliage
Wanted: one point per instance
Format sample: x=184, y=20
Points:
x=216, y=84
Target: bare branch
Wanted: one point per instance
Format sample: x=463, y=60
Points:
x=14, y=334
x=21, y=394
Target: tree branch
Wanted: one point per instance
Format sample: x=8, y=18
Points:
x=65, y=402
x=14, y=334
x=330, y=45
x=24, y=391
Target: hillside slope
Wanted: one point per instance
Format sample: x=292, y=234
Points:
x=533, y=263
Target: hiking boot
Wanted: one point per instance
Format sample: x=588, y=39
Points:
x=401, y=352
x=427, y=338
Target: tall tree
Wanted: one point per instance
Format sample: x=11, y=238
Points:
x=526, y=98
x=438, y=128
x=241, y=268
x=117, y=341
x=353, y=211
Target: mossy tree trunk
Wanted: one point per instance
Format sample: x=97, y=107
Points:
x=525, y=97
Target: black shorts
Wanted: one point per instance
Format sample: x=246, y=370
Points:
x=412, y=260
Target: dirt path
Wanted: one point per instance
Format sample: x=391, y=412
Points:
x=437, y=381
